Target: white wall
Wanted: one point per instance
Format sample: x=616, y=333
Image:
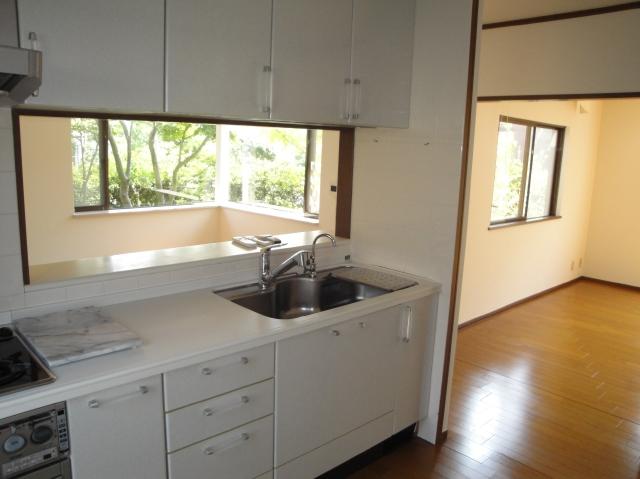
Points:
x=504, y=265
x=11, y=288
x=613, y=251
x=595, y=54
x=406, y=182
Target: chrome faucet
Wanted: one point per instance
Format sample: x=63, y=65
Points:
x=312, y=259
x=303, y=258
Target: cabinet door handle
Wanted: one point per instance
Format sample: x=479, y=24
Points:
x=207, y=371
x=210, y=411
x=96, y=403
x=357, y=98
x=346, y=99
x=210, y=450
x=266, y=89
x=407, y=325
x=335, y=332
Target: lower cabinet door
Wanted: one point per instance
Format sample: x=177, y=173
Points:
x=334, y=380
x=119, y=432
x=243, y=453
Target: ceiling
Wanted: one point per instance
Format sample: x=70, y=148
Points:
x=503, y=10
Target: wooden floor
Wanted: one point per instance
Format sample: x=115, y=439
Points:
x=550, y=388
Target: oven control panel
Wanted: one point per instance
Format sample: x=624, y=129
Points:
x=32, y=440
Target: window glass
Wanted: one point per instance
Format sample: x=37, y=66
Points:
x=510, y=161
x=525, y=170
x=267, y=166
x=160, y=163
x=542, y=169
x=87, y=183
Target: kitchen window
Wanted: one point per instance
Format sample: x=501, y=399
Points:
x=125, y=164
x=528, y=160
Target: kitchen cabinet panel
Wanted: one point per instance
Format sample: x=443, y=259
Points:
x=311, y=57
x=381, y=64
x=218, y=57
x=212, y=378
x=242, y=453
x=119, y=432
x=98, y=54
x=334, y=380
x=205, y=419
x=414, y=356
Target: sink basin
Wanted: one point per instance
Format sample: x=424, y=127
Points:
x=297, y=296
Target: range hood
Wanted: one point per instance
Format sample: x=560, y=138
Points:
x=20, y=74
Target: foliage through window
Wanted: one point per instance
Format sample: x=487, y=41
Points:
x=527, y=171
x=121, y=164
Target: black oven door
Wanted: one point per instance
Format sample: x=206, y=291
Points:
x=59, y=470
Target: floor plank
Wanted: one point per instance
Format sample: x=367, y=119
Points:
x=549, y=388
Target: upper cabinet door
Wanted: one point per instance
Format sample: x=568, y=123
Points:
x=219, y=57
x=311, y=57
x=97, y=54
x=382, y=62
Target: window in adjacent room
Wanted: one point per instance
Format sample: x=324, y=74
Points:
x=527, y=174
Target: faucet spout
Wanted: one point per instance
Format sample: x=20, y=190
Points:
x=312, y=259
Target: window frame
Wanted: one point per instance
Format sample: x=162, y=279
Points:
x=525, y=185
x=103, y=159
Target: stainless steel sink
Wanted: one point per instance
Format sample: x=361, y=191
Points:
x=292, y=297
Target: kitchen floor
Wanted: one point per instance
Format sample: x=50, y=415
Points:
x=550, y=388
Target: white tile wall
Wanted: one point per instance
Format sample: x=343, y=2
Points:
x=8, y=198
x=7, y=162
x=9, y=235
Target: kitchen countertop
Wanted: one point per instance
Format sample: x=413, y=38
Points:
x=183, y=329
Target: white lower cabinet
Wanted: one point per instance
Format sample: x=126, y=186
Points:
x=414, y=351
x=243, y=453
x=338, y=451
x=334, y=380
x=343, y=389
x=118, y=433
x=214, y=416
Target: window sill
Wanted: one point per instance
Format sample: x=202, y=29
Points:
x=266, y=211
x=259, y=210
x=523, y=222
x=152, y=209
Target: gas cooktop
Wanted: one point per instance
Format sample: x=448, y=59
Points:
x=19, y=367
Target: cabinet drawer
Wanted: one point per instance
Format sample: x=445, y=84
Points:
x=212, y=378
x=207, y=418
x=243, y=453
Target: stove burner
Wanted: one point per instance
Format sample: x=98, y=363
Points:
x=12, y=369
x=19, y=367
x=5, y=334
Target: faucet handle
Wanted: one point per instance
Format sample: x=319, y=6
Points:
x=264, y=249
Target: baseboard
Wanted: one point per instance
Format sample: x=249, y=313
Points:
x=473, y=321
x=610, y=283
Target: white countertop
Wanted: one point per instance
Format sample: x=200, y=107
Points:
x=184, y=329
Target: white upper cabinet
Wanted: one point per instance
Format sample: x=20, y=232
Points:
x=98, y=54
x=311, y=59
x=218, y=57
x=381, y=64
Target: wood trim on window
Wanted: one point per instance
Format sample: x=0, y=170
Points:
x=563, y=16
